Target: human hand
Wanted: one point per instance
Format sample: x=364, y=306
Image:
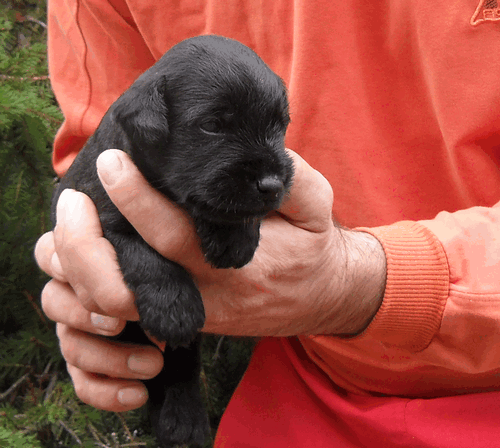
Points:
x=82, y=298
x=307, y=277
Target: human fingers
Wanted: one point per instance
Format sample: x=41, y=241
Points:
x=46, y=256
x=60, y=304
x=109, y=394
x=103, y=356
x=310, y=202
x=58, y=299
x=88, y=260
x=162, y=224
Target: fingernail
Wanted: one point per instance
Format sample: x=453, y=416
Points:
x=142, y=365
x=62, y=203
x=69, y=206
x=132, y=396
x=104, y=322
x=109, y=167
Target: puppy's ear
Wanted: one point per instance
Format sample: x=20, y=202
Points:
x=142, y=113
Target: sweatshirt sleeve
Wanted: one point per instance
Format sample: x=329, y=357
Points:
x=95, y=53
x=443, y=277
x=417, y=286
x=437, y=331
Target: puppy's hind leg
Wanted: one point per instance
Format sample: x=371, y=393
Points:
x=177, y=411
x=171, y=310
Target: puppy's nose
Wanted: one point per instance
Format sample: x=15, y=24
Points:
x=270, y=186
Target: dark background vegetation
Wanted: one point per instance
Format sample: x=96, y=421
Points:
x=38, y=407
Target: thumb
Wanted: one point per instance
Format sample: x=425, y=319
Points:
x=310, y=202
x=160, y=222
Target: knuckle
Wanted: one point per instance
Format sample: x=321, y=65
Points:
x=68, y=345
x=81, y=389
x=64, y=241
x=44, y=249
x=324, y=204
x=114, y=305
x=47, y=299
x=178, y=242
x=87, y=390
x=89, y=300
x=106, y=399
x=78, y=318
x=60, y=305
x=115, y=299
x=69, y=353
x=129, y=199
x=91, y=354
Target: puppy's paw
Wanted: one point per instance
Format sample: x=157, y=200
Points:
x=234, y=255
x=183, y=420
x=171, y=311
x=168, y=302
x=229, y=246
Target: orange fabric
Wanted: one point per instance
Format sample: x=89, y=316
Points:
x=437, y=332
x=398, y=105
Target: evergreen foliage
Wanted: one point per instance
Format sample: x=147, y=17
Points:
x=38, y=406
x=28, y=120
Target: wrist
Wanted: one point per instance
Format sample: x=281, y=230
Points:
x=363, y=279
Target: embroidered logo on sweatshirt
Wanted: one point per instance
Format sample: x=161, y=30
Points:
x=486, y=11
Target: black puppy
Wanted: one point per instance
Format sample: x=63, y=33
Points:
x=205, y=125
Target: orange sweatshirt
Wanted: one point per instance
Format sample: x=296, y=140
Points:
x=397, y=104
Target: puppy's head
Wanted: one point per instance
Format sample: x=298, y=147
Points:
x=207, y=126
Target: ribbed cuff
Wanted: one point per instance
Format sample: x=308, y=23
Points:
x=416, y=289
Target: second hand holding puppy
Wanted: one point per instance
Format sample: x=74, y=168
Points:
x=273, y=295
x=266, y=297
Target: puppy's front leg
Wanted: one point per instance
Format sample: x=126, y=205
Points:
x=168, y=302
x=228, y=245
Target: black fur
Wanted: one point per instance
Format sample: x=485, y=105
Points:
x=205, y=126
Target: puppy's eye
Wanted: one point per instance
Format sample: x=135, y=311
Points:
x=211, y=126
